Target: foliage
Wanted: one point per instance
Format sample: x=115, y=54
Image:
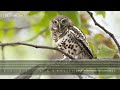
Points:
x=101, y=45
x=105, y=52
x=100, y=13
x=98, y=43
x=73, y=15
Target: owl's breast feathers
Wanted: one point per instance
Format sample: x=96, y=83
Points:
x=74, y=43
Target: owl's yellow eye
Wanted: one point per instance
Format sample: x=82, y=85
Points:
x=64, y=21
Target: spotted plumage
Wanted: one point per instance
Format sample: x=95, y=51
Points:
x=69, y=38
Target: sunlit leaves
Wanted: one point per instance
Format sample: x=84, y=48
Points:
x=7, y=29
x=10, y=24
x=10, y=29
x=85, y=30
x=99, y=37
x=97, y=40
x=102, y=46
x=73, y=15
x=2, y=24
x=100, y=41
x=92, y=47
x=100, y=13
x=44, y=22
x=1, y=34
x=36, y=28
x=48, y=16
x=105, y=52
x=36, y=20
x=10, y=33
x=6, y=24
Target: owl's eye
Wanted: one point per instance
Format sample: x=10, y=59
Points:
x=55, y=22
x=64, y=21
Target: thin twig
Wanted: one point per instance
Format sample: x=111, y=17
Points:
x=36, y=46
x=111, y=35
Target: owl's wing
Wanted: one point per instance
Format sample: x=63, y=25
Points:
x=81, y=39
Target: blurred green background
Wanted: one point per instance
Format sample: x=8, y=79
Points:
x=23, y=25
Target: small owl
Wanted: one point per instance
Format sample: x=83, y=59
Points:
x=69, y=38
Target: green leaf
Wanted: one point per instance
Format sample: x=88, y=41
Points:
x=91, y=47
x=100, y=13
x=73, y=15
x=44, y=22
x=1, y=34
x=48, y=16
x=99, y=38
x=36, y=28
x=85, y=30
x=2, y=23
x=105, y=52
x=10, y=33
x=10, y=24
x=33, y=12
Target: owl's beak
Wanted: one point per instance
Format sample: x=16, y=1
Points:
x=56, y=28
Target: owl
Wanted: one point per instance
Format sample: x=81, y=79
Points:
x=69, y=38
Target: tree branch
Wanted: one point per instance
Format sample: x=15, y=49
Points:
x=105, y=30
x=35, y=46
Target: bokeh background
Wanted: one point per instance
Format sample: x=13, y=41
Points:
x=33, y=27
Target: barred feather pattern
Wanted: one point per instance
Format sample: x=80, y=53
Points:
x=75, y=44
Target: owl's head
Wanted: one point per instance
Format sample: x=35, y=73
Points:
x=60, y=23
